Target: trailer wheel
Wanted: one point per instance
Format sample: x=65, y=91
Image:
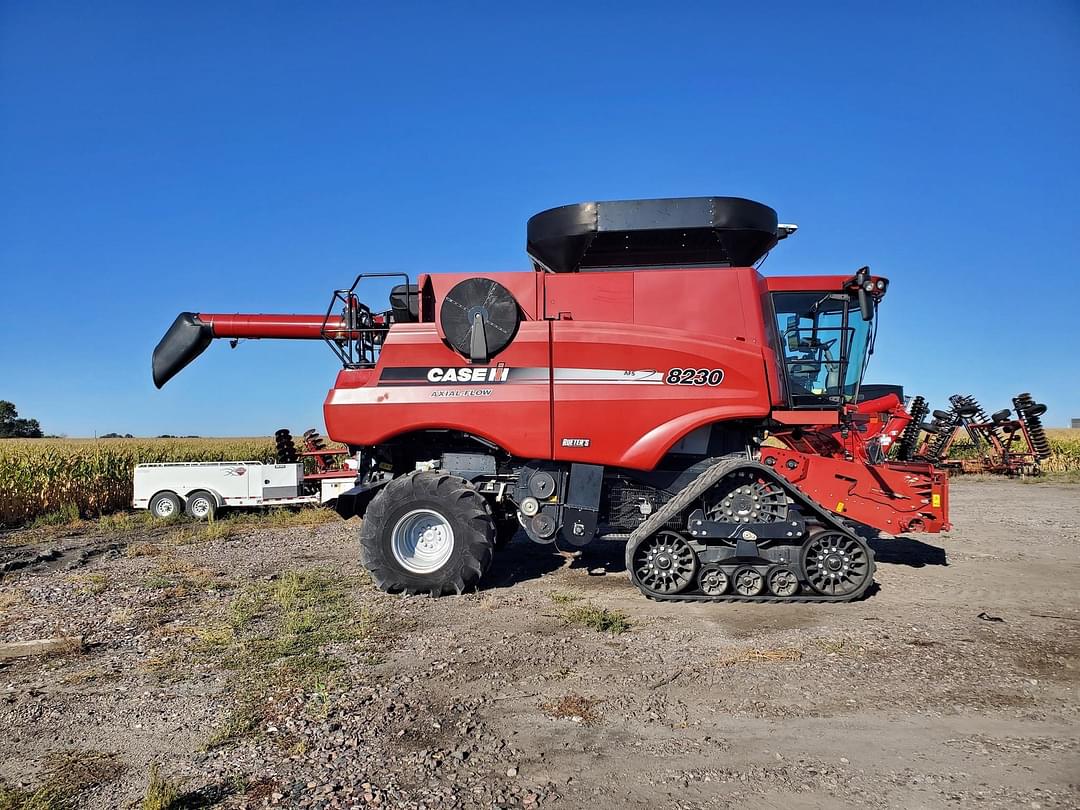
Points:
x=201, y=505
x=427, y=532
x=165, y=505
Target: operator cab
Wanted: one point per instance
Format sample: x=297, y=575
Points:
x=825, y=339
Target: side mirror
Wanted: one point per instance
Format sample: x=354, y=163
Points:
x=866, y=305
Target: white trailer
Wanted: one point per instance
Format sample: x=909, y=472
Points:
x=202, y=488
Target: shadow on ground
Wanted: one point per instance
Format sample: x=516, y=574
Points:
x=906, y=551
x=519, y=560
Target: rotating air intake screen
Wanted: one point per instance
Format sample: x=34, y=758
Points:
x=496, y=306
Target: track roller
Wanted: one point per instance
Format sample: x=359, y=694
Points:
x=713, y=580
x=783, y=582
x=748, y=581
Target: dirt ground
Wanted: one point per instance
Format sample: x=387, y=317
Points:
x=954, y=684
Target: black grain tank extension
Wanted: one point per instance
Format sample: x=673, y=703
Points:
x=624, y=234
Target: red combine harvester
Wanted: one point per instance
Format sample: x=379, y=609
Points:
x=624, y=389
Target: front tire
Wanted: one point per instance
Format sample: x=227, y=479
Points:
x=427, y=532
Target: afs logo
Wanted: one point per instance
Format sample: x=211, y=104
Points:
x=240, y=471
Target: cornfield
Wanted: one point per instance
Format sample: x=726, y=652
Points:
x=1064, y=451
x=89, y=477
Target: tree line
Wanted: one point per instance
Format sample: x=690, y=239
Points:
x=12, y=427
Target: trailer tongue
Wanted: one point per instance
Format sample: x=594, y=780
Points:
x=624, y=388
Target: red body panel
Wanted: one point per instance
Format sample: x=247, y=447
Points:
x=894, y=497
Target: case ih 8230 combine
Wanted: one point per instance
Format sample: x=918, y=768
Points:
x=622, y=389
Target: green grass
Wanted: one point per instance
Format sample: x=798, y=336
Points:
x=68, y=777
x=158, y=581
x=563, y=598
x=161, y=793
x=274, y=640
x=599, y=619
x=66, y=515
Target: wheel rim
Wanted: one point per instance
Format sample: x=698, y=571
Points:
x=422, y=541
x=164, y=508
x=665, y=563
x=836, y=564
x=748, y=582
x=712, y=580
x=200, y=507
x=783, y=582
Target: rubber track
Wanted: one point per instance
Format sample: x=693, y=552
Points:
x=772, y=600
x=696, y=489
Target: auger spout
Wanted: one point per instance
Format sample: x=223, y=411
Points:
x=191, y=333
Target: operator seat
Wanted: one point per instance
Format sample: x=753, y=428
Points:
x=405, y=303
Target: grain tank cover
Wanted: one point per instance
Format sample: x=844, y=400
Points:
x=624, y=234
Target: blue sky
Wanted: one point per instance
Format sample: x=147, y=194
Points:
x=254, y=156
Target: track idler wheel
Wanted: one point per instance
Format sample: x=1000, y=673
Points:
x=837, y=564
x=664, y=564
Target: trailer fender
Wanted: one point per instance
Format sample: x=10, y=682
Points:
x=218, y=500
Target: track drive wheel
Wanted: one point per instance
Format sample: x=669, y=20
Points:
x=836, y=563
x=427, y=532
